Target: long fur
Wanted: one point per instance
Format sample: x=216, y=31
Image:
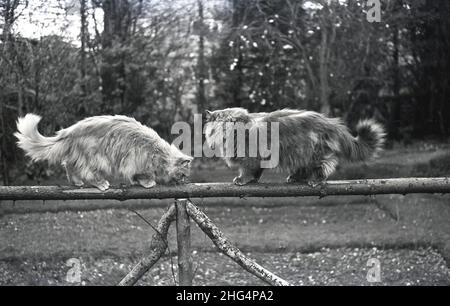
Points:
x=311, y=145
x=102, y=147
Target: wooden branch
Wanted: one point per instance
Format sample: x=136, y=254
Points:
x=230, y=250
x=353, y=187
x=184, y=244
x=158, y=246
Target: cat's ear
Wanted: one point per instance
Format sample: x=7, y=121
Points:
x=208, y=115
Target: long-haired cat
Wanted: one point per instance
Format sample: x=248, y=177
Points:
x=101, y=147
x=311, y=145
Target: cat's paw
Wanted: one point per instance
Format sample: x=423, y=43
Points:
x=241, y=181
x=147, y=183
x=314, y=184
x=78, y=183
x=102, y=185
x=238, y=181
x=293, y=180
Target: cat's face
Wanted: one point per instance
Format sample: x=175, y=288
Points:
x=227, y=115
x=180, y=169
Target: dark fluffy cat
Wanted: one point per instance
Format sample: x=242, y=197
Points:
x=311, y=145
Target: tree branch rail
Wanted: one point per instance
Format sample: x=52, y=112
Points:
x=209, y=190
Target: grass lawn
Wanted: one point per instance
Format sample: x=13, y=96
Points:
x=304, y=240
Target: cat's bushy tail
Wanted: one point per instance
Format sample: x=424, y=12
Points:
x=369, y=141
x=32, y=142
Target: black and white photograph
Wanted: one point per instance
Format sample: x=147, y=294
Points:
x=225, y=143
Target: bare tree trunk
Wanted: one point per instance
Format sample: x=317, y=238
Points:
x=8, y=11
x=117, y=22
x=328, y=33
x=394, y=119
x=5, y=168
x=83, y=38
x=20, y=92
x=201, y=66
x=238, y=79
x=323, y=73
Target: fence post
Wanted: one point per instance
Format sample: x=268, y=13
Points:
x=184, y=244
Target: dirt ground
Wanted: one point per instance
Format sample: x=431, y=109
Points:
x=307, y=241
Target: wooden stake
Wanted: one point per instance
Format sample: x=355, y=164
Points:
x=184, y=244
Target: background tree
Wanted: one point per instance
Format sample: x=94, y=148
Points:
x=163, y=61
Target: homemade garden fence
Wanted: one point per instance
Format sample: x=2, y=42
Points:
x=183, y=210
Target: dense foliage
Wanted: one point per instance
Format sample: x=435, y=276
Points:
x=163, y=61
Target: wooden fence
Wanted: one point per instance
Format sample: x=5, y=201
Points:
x=183, y=211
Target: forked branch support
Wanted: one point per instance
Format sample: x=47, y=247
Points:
x=182, y=210
x=226, y=247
